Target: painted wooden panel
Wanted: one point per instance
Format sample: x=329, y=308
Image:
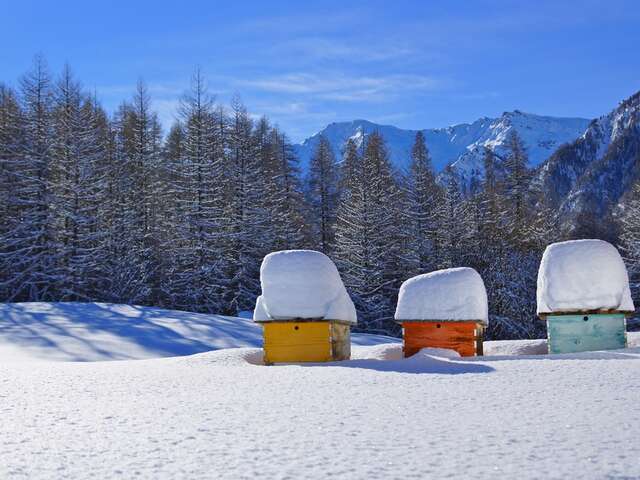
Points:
x=292, y=342
x=582, y=333
x=463, y=337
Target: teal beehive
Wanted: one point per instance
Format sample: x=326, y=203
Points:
x=583, y=294
x=583, y=333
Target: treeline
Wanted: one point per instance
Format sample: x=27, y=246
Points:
x=98, y=207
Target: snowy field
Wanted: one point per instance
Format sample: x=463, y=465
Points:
x=220, y=414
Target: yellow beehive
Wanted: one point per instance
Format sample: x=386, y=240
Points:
x=306, y=341
x=304, y=309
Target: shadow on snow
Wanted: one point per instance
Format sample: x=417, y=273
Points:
x=89, y=331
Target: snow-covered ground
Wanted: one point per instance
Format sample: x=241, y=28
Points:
x=221, y=414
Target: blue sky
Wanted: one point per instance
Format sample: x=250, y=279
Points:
x=414, y=64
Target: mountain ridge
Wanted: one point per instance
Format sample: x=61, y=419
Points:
x=460, y=145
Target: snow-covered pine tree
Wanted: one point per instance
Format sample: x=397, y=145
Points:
x=285, y=191
x=422, y=194
x=116, y=213
x=170, y=240
x=493, y=247
x=10, y=142
x=247, y=216
x=517, y=211
x=490, y=216
x=491, y=213
x=455, y=225
x=103, y=135
x=136, y=161
x=265, y=152
x=197, y=244
x=143, y=152
x=76, y=193
x=30, y=242
x=322, y=195
x=368, y=240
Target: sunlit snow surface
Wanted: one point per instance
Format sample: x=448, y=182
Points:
x=221, y=414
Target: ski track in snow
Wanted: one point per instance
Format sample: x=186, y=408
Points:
x=220, y=414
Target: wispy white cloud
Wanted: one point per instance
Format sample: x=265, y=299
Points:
x=342, y=87
x=330, y=48
x=300, y=101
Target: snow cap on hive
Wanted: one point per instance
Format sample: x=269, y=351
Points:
x=453, y=294
x=581, y=275
x=302, y=284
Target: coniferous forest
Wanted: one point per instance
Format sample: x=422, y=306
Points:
x=108, y=207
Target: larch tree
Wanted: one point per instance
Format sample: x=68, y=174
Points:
x=323, y=194
x=11, y=139
x=199, y=199
x=368, y=249
x=455, y=224
x=516, y=186
x=422, y=195
x=76, y=193
x=138, y=161
x=285, y=189
x=248, y=216
x=32, y=255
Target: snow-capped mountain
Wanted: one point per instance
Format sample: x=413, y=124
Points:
x=589, y=177
x=461, y=145
x=542, y=135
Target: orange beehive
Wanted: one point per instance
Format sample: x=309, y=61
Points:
x=463, y=337
x=443, y=309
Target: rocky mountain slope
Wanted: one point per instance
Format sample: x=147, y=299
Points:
x=589, y=177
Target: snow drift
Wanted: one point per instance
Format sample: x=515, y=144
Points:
x=302, y=284
x=453, y=294
x=90, y=332
x=582, y=275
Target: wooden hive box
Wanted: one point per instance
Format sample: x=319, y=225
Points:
x=305, y=310
x=465, y=337
x=443, y=309
x=586, y=331
x=306, y=340
x=583, y=295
